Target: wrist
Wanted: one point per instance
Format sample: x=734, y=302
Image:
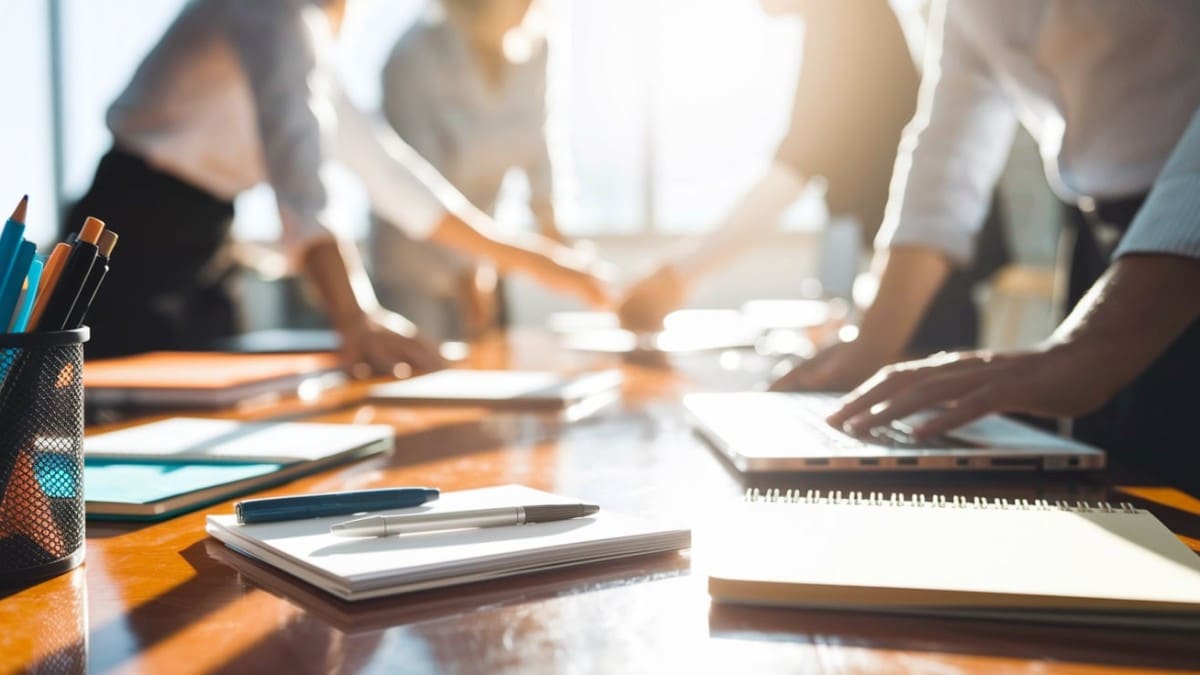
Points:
x=1102, y=364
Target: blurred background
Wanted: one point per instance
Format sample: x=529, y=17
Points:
x=655, y=124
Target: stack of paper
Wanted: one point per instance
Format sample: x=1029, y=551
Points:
x=360, y=568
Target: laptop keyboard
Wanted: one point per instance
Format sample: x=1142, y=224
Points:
x=810, y=413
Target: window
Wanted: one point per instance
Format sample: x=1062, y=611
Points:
x=670, y=107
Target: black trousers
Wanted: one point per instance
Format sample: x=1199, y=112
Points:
x=169, y=281
x=1150, y=426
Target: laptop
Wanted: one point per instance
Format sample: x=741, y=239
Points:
x=769, y=432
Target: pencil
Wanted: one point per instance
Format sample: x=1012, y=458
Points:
x=49, y=279
x=10, y=242
x=10, y=289
x=18, y=214
x=25, y=304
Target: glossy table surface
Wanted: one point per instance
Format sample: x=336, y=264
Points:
x=165, y=598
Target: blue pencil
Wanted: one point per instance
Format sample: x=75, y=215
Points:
x=10, y=242
x=10, y=290
x=28, y=295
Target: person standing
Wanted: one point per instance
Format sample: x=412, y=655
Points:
x=856, y=90
x=1111, y=92
x=466, y=88
x=237, y=93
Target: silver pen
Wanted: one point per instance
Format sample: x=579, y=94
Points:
x=383, y=526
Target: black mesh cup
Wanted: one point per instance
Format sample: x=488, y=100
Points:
x=41, y=455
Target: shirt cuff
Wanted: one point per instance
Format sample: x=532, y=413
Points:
x=1169, y=222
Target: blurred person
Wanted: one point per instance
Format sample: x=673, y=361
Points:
x=856, y=90
x=466, y=88
x=1111, y=92
x=236, y=93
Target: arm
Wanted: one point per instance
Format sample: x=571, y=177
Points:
x=1145, y=300
x=658, y=293
x=274, y=44
x=408, y=192
x=371, y=336
x=1132, y=314
x=951, y=156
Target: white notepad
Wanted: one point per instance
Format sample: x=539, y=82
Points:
x=198, y=439
x=360, y=568
x=499, y=388
x=1026, y=560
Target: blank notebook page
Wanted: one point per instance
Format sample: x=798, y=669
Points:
x=951, y=551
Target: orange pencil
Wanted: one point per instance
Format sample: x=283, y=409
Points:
x=50, y=276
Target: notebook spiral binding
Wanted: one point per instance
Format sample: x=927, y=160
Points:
x=897, y=499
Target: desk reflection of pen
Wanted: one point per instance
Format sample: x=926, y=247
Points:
x=296, y=507
x=382, y=526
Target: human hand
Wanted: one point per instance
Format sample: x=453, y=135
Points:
x=386, y=343
x=1062, y=380
x=648, y=301
x=573, y=272
x=838, y=367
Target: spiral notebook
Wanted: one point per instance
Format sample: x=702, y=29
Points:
x=1018, y=560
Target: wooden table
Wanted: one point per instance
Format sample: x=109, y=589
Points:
x=165, y=598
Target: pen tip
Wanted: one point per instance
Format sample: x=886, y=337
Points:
x=18, y=214
x=589, y=509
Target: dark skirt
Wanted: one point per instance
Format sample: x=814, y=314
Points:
x=169, y=281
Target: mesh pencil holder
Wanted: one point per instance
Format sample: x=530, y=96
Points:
x=41, y=455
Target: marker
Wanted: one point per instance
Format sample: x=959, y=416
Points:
x=25, y=303
x=74, y=273
x=10, y=290
x=87, y=295
x=298, y=507
x=50, y=274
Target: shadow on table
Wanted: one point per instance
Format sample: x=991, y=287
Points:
x=380, y=613
x=1059, y=643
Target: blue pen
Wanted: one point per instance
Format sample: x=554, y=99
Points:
x=28, y=295
x=10, y=290
x=297, y=507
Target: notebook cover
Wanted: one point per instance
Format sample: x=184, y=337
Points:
x=198, y=378
x=156, y=490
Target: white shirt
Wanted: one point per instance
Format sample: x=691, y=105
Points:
x=1108, y=88
x=436, y=98
x=240, y=92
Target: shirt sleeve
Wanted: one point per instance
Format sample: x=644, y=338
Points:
x=953, y=151
x=404, y=189
x=274, y=43
x=1169, y=222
